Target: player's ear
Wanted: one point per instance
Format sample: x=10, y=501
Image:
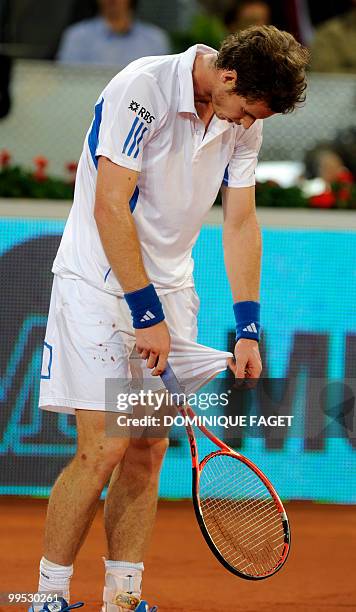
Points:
x=229, y=78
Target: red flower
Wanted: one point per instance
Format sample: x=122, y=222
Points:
x=5, y=158
x=41, y=162
x=323, y=200
x=343, y=194
x=345, y=176
x=72, y=167
x=40, y=176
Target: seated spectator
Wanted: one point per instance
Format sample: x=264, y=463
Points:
x=329, y=183
x=345, y=144
x=324, y=161
x=246, y=13
x=113, y=38
x=334, y=46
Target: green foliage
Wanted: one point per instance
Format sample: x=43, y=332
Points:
x=205, y=29
x=271, y=194
x=345, y=195
x=15, y=182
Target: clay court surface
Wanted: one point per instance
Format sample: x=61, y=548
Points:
x=181, y=573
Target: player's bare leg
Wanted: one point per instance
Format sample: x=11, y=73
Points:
x=76, y=493
x=130, y=510
x=131, y=502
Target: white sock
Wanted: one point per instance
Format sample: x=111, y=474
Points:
x=125, y=577
x=54, y=578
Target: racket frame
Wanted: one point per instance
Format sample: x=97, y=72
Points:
x=186, y=411
x=174, y=387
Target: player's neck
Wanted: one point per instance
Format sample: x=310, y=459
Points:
x=203, y=77
x=203, y=74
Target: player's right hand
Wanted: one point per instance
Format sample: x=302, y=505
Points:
x=153, y=343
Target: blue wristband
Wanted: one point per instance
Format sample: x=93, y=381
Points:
x=247, y=315
x=146, y=309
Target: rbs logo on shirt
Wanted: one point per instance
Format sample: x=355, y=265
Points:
x=141, y=111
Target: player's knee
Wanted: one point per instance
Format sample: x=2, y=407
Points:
x=102, y=457
x=158, y=450
x=149, y=453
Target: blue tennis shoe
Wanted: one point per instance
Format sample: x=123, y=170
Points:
x=144, y=607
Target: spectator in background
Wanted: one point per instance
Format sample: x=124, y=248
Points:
x=113, y=38
x=329, y=182
x=345, y=144
x=293, y=16
x=334, y=46
x=325, y=162
x=247, y=13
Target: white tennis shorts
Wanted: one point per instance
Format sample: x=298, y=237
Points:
x=90, y=338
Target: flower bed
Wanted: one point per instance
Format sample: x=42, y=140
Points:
x=17, y=182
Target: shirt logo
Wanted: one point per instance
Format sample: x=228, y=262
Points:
x=132, y=143
x=141, y=111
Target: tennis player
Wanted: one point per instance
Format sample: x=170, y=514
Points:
x=166, y=134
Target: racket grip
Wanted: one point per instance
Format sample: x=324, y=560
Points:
x=171, y=383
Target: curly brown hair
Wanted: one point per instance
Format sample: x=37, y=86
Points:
x=270, y=66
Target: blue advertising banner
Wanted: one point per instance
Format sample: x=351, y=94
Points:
x=309, y=334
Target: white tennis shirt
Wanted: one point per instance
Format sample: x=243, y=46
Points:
x=145, y=119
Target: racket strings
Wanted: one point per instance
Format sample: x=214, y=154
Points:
x=240, y=515
x=244, y=505
x=252, y=527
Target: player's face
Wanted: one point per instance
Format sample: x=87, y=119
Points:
x=231, y=107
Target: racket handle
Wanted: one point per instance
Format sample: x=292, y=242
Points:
x=171, y=382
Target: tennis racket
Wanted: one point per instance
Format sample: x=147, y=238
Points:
x=238, y=511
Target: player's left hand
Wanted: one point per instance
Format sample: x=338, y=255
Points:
x=248, y=364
